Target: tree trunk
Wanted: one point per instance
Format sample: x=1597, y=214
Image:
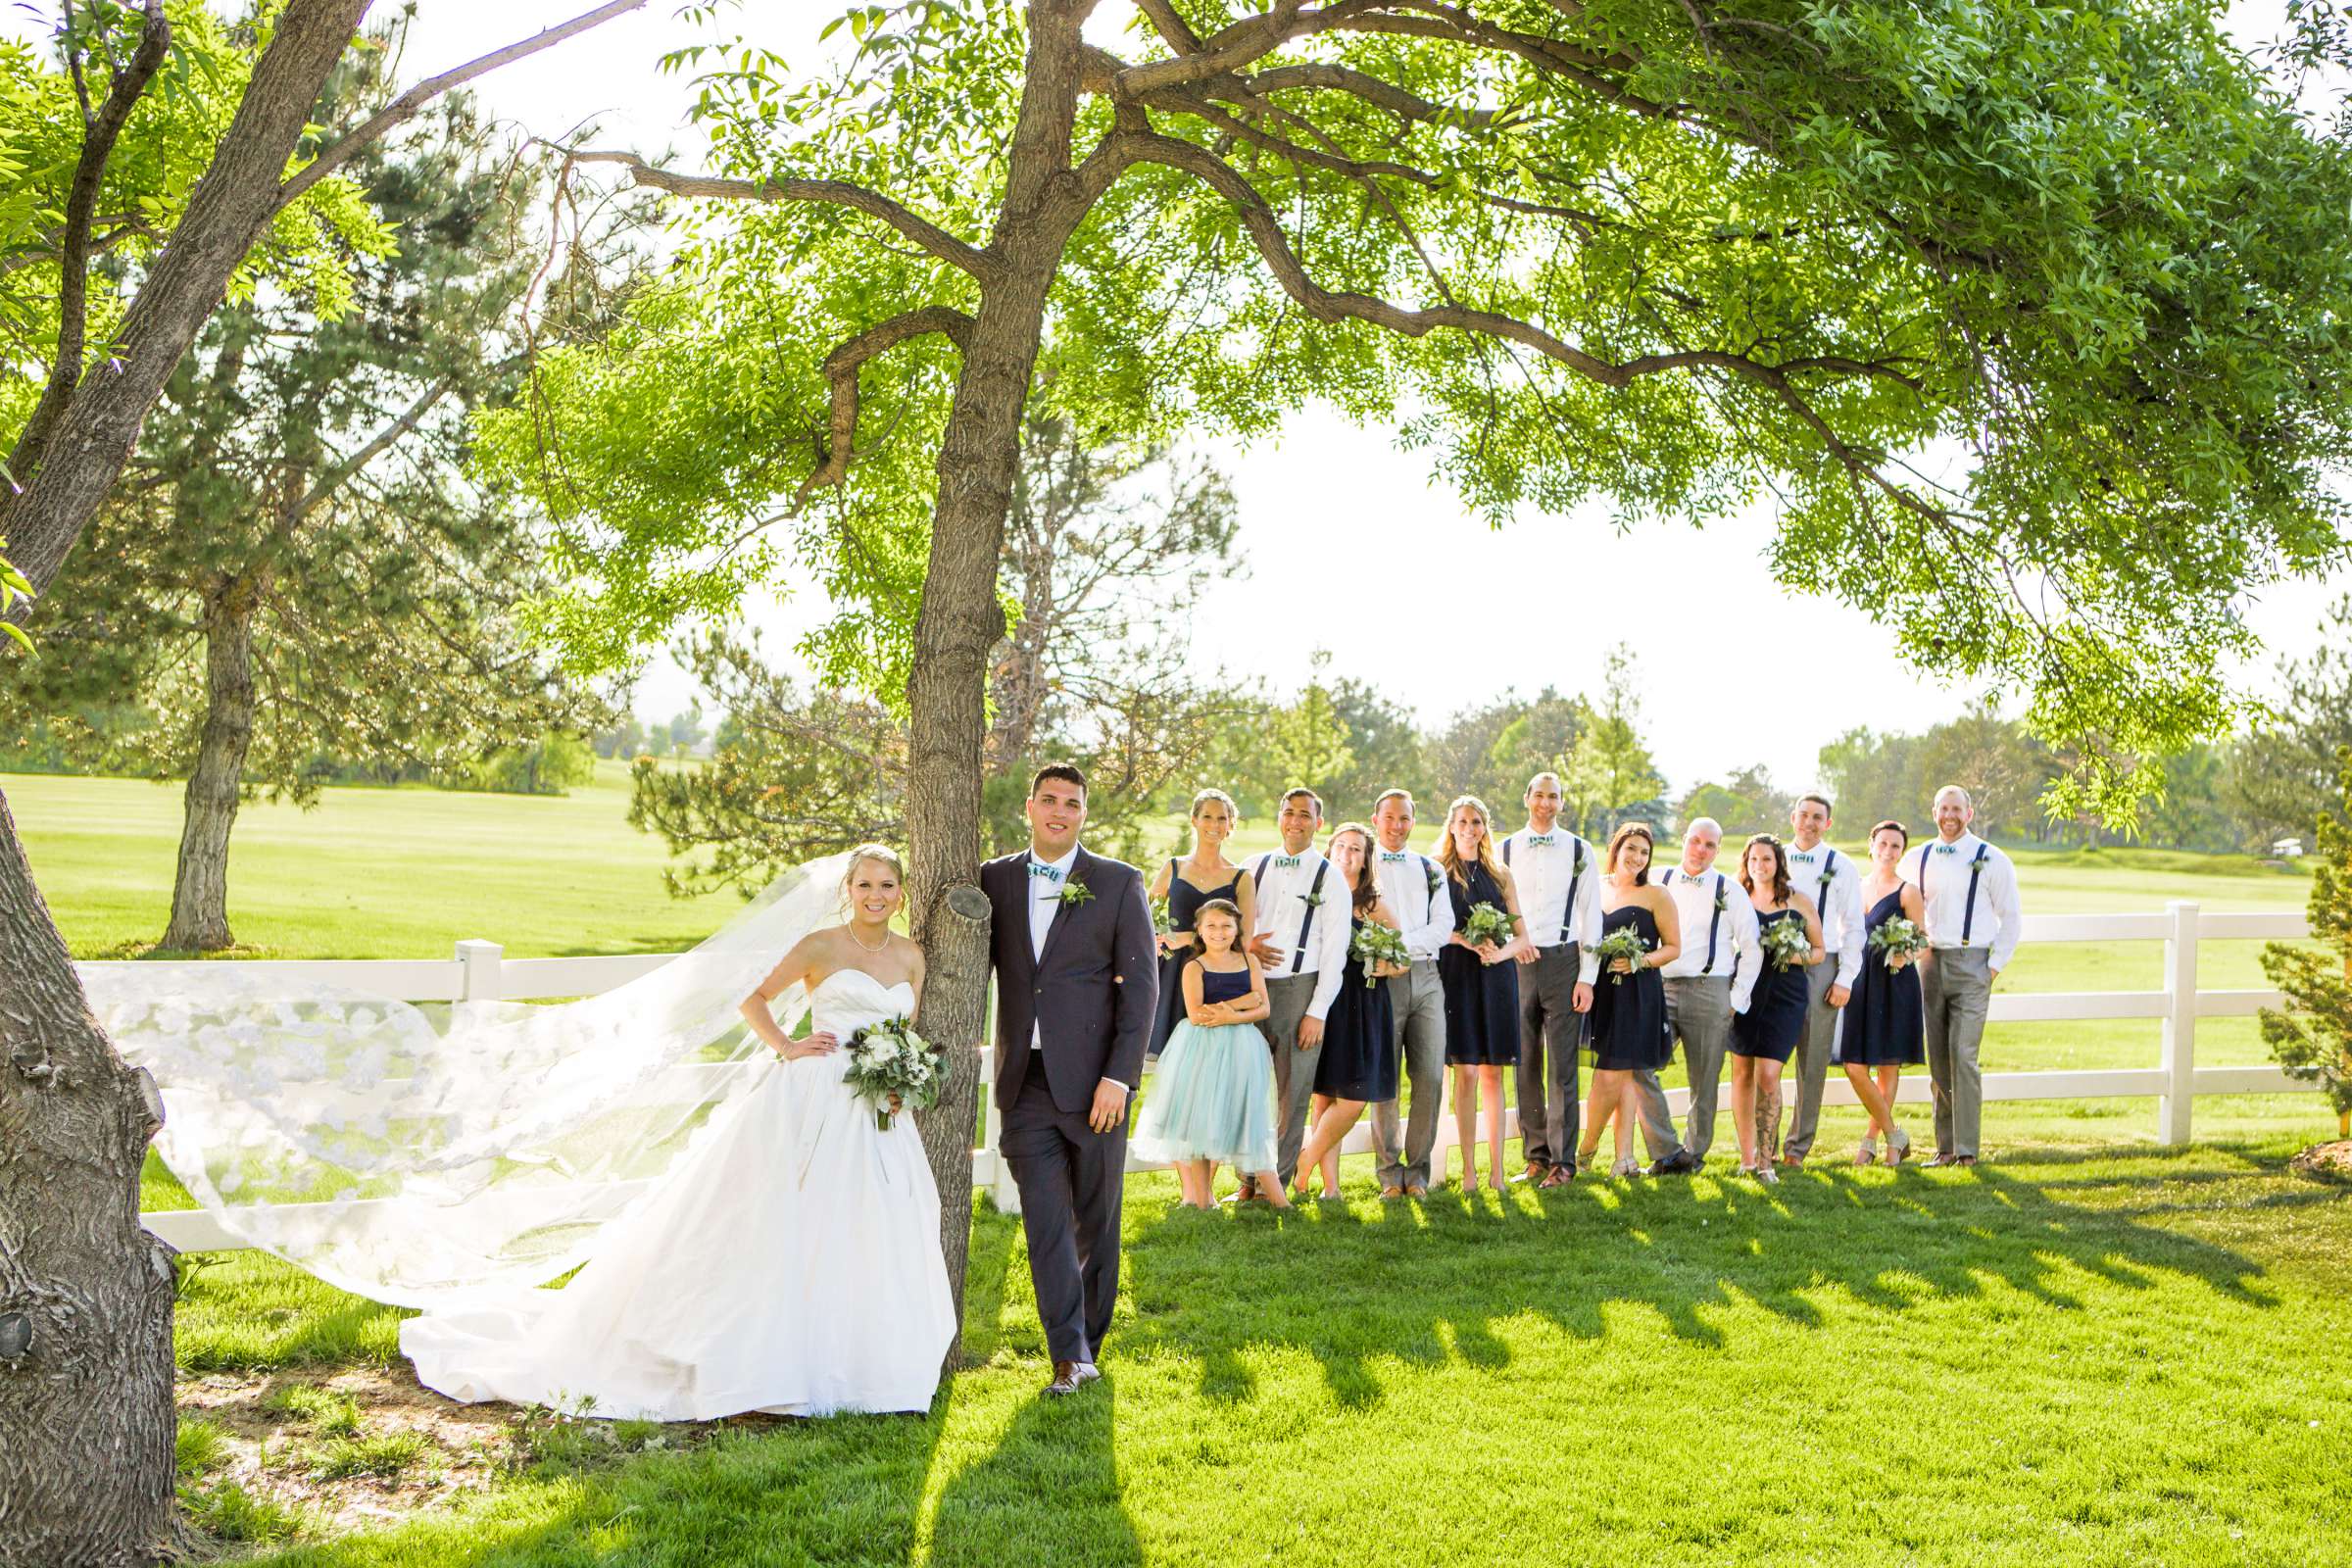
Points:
x=85, y=1294
x=200, y=890
x=961, y=621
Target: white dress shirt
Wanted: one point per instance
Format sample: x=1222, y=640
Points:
x=1416, y=893
x=1282, y=891
x=1047, y=879
x=1733, y=928
x=1992, y=919
x=1838, y=901
x=1543, y=865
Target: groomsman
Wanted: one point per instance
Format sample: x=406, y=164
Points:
x=1415, y=890
x=1710, y=980
x=1558, y=877
x=1834, y=882
x=1970, y=889
x=1301, y=943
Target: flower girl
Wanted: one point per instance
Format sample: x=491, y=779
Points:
x=1211, y=1100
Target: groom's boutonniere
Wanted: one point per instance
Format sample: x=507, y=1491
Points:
x=1074, y=893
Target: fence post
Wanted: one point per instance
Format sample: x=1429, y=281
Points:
x=478, y=965
x=2174, y=1107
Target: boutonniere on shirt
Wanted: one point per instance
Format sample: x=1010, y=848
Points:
x=1075, y=893
x=1829, y=873
x=1436, y=879
x=1581, y=862
x=1723, y=898
x=1313, y=901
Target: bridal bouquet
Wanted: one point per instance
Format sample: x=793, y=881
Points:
x=1622, y=942
x=1897, y=936
x=1375, y=944
x=889, y=1058
x=1785, y=943
x=1486, y=927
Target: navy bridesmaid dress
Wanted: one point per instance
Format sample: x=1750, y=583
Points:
x=1482, y=999
x=1775, y=1019
x=1886, y=1021
x=1629, y=1010
x=1184, y=906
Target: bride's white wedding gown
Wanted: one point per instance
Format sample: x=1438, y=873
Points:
x=790, y=1263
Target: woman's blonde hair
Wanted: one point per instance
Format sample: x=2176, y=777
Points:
x=871, y=851
x=1451, y=858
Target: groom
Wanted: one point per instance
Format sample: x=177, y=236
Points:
x=1077, y=985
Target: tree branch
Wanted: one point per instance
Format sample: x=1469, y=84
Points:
x=100, y=129
x=841, y=369
x=409, y=104
x=335, y=477
x=930, y=236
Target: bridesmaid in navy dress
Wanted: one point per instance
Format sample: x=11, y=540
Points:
x=1629, y=1003
x=1765, y=1035
x=1187, y=885
x=1480, y=983
x=1358, y=1066
x=1886, y=1024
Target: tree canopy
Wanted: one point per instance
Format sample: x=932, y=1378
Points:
x=2028, y=319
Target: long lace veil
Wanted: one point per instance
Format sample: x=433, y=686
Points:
x=427, y=1154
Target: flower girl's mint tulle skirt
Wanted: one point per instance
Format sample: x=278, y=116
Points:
x=1211, y=1098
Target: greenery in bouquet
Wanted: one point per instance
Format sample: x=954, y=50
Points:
x=1488, y=926
x=889, y=1058
x=1375, y=944
x=1785, y=943
x=1896, y=938
x=1624, y=942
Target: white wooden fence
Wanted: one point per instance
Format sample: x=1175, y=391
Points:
x=480, y=971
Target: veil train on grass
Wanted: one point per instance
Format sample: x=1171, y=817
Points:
x=427, y=1154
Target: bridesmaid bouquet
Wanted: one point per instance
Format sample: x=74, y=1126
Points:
x=1375, y=944
x=1163, y=923
x=1624, y=942
x=1486, y=927
x=889, y=1058
x=1897, y=936
x=1785, y=943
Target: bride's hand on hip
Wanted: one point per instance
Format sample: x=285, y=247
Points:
x=819, y=1044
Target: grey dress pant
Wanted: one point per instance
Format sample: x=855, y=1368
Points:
x=1813, y=1048
x=1419, y=1005
x=1698, y=1013
x=1958, y=987
x=1550, y=1031
x=1287, y=999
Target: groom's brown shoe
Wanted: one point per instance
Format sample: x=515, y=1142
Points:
x=1070, y=1376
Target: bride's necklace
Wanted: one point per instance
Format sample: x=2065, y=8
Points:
x=885, y=944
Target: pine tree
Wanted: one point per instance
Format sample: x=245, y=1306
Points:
x=2312, y=1036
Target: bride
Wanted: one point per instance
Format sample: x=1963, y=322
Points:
x=791, y=1264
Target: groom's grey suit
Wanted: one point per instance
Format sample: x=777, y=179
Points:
x=1068, y=1015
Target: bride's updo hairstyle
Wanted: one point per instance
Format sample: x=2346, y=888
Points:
x=858, y=856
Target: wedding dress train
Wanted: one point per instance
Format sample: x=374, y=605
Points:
x=791, y=1264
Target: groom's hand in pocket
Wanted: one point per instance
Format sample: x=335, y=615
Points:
x=1109, y=1106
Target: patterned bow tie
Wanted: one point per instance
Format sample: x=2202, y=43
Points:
x=1386, y=855
x=1539, y=838
x=1286, y=859
x=1947, y=849
x=1800, y=855
x=1040, y=868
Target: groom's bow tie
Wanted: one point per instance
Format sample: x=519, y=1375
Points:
x=1386, y=855
x=1049, y=872
x=1286, y=859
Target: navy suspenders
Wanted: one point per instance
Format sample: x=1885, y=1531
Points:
x=1714, y=921
x=1976, y=873
x=1306, y=925
x=1575, y=875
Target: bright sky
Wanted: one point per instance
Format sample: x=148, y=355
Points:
x=1327, y=488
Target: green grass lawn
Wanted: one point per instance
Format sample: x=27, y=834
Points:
x=2088, y=1352
x=369, y=873
x=2089, y=1357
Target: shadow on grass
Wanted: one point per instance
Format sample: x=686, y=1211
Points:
x=1373, y=1284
